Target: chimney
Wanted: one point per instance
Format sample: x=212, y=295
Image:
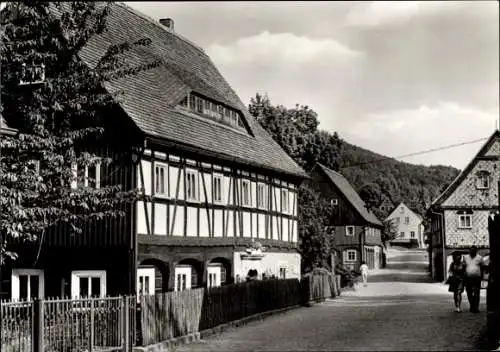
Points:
x=167, y=22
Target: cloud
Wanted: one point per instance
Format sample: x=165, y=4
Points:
x=265, y=48
x=406, y=131
x=378, y=13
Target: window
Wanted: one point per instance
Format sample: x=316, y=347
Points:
x=483, y=180
x=35, y=166
x=32, y=74
x=191, y=185
x=27, y=284
x=182, y=278
x=86, y=176
x=398, y=220
x=284, y=201
x=412, y=234
x=334, y=201
x=213, y=275
x=245, y=193
x=88, y=283
x=283, y=273
x=349, y=230
x=465, y=221
x=407, y=220
x=351, y=255
x=145, y=281
x=261, y=196
x=402, y=234
x=218, y=192
x=161, y=179
x=401, y=210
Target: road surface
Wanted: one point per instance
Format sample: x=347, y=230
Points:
x=401, y=309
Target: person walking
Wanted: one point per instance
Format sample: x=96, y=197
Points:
x=455, y=280
x=473, y=276
x=364, y=273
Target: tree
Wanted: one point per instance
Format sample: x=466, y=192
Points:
x=59, y=113
x=390, y=231
x=316, y=242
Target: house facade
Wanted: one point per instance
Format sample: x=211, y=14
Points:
x=409, y=225
x=459, y=216
x=219, y=195
x=357, y=230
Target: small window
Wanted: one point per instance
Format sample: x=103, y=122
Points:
x=35, y=166
x=161, y=179
x=245, y=193
x=483, y=180
x=407, y=220
x=192, y=102
x=465, y=221
x=86, y=176
x=199, y=105
x=412, y=234
x=351, y=255
x=88, y=283
x=284, y=201
x=261, y=196
x=191, y=185
x=145, y=281
x=398, y=220
x=218, y=192
x=27, y=284
x=402, y=234
x=32, y=74
x=283, y=273
x=349, y=230
x=334, y=201
x=401, y=210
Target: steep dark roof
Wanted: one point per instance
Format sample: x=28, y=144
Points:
x=351, y=195
x=150, y=97
x=463, y=174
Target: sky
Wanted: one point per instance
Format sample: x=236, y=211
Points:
x=392, y=77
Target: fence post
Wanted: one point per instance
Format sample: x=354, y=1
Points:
x=37, y=341
x=91, y=335
x=126, y=325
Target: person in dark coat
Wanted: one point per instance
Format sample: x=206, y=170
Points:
x=456, y=279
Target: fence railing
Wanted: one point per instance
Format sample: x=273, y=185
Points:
x=60, y=325
x=173, y=314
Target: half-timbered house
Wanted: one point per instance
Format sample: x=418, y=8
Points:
x=221, y=193
x=459, y=215
x=357, y=230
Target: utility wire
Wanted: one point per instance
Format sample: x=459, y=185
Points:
x=417, y=153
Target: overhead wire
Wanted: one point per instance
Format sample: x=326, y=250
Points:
x=416, y=153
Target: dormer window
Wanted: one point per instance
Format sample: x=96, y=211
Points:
x=483, y=180
x=212, y=109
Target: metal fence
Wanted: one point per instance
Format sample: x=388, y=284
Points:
x=64, y=325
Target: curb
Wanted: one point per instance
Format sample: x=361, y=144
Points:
x=197, y=336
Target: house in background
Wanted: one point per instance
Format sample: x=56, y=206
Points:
x=357, y=230
x=459, y=216
x=410, y=228
x=223, y=194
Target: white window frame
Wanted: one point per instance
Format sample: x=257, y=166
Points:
x=213, y=275
x=75, y=281
x=347, y=252
x=220, y=177
x=183, y=270
x=347, y=228
x=15, y=288
x=265, y=196
x=249, y=194
x=74, y=169
x=164, y=166
x=334, y=201
x=149, y=273
x=196, y=197
x=284, y=200
x=412, y=234
x=481, y=177
x=463, y=217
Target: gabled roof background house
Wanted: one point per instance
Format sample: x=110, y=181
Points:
x=407, y=207
x=150, y=97
x=350, y=194
x=463, y=174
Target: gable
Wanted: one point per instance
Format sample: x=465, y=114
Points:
x=401, y=211
x=465, y=190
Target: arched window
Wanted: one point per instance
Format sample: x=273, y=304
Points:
x=483, y=180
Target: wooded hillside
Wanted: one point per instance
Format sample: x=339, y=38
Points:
x=382, y=182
